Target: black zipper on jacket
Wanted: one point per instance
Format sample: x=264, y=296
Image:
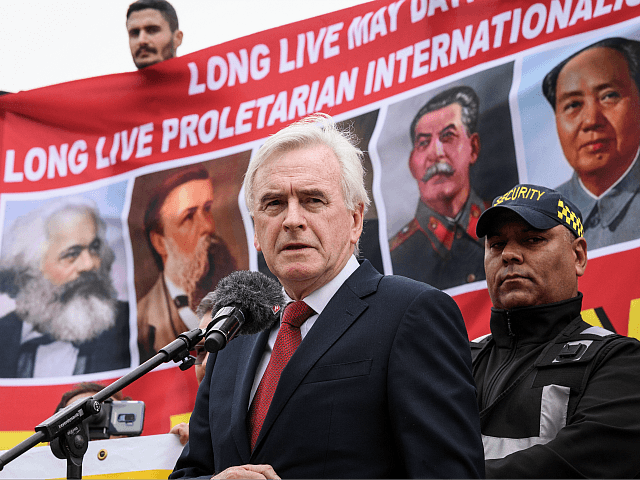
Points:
x=511, y=334
x=496, y=376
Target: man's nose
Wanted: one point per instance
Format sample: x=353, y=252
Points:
x=592, y=116
x=436, y=149
x=206, y=222
x=143, y=38
x=87, y=262
x=294, y=216
x=511, y=253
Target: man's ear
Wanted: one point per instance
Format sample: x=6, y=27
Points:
x=475, y=147
x=158, y=243
x=580, y=249
x=177, y=39
x=358, y=222
x=256, y=242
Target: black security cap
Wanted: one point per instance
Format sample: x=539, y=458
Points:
x=541, y=207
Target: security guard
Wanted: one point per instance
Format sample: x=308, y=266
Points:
x=558, y=398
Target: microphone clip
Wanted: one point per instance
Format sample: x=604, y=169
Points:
x=223, y=328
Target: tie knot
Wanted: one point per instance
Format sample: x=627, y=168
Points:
x=296, y=313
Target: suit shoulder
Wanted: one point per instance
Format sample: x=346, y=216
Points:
x=400, y=285
x=122, y=316
x=404, y=234
x=152, y=303
x=11, y=325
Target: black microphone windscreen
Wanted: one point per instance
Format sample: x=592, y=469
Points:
x=254, y=292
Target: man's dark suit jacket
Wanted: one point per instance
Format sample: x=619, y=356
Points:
x=109, y=351
x=381, y=386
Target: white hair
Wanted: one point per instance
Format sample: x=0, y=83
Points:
x=80, y=319
x=28, y=238
x=314, y=130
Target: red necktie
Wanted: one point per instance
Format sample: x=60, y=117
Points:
x=288, y=339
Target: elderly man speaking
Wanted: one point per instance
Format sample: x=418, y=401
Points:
x=380, y=385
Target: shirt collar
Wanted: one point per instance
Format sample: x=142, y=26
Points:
x=617, y=182
x=613, y=201
x=28, y=332
x=319, y=298
x=173, y=289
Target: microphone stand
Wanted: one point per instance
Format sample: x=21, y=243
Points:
x=69, y=436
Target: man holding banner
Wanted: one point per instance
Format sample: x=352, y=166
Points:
x=366, y=376
x=596, y=99
x=153, y=32
x=558, y=397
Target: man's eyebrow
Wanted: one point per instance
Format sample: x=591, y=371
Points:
x=314, y=192
x=72, y=249
x=605, y=85
x=451, y=126
x=77, y=248
x=601, y=86
x=269, y=196
x=572, y=93
x=187, y=211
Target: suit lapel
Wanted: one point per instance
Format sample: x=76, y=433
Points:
x=339, y=314
x=252, y=349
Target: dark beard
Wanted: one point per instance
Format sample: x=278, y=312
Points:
x=221, y=264
x=77, y=311
x=199, y=272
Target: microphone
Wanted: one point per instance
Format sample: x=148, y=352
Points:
x=247, y=303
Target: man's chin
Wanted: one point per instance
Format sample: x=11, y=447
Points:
x=77, y=311
x=298, y=268
x=83, y=319
x=444, y=191
x=146, y=62
x=516, y=299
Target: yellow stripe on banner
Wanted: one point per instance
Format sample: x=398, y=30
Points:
x=634, y=319
x=141, y=474
x=591, y=317
x=181, y=418
x=8, y=440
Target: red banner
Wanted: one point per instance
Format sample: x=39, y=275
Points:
x=94, y=166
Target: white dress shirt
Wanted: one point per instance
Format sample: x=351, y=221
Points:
x=317, y=300
x=187, y=315
x=56, y=359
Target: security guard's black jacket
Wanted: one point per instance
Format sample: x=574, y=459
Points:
x=558, y=398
